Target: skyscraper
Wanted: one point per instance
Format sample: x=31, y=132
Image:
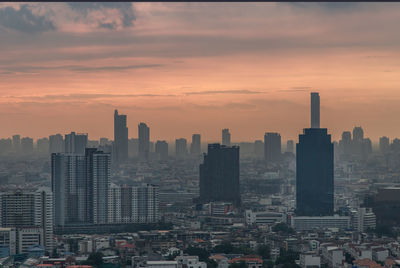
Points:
x=80, y=184
x=358, y=134
x=219, y=174
x=314, y=176
x=195, y=147
x=272, y=147
x=120, y=138
x=144, y=141
x=75, y=143
x=181, y=148
x=315, y=110
x=27, y=145
x=226, y=137
x=162, y=150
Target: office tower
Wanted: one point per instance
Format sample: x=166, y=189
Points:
x=16, y=141
x=180, y=148
x=315, y=110
x=56, y=143
x=27, y=145
x=120, y=138
x=314, y=176
x=80, y=186
x=144, y=141
x=43, y=146
x=133, y=148
x=75, y=143
x=272, y=147
x=29, y=212
x=290, y=146
x=133, y=204
x=226, y=137
x=384, y=144
x=259, y=148
x=162, y=150
x=219, y=174
x=195, y=147
x=346, y=143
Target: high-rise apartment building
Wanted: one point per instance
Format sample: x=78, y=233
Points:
x=226, y=137
x=75, y=143
x=314, y=166
x=144, y=141
x=272, y=147
x=27, y=145
x=120, y=138
x=80, y=184
x=195, y=147
x=384, y=144
x=219, y=174
x=16, y=142
x=133, y=204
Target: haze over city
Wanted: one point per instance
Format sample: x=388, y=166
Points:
x=187, y=68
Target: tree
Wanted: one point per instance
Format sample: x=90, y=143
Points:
x=282, y=227
x=95, y=258
x=264, y=251
x=200, y=252
x=240, y=264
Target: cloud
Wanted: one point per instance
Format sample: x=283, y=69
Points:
x=212, y=92
x=24, y=20
x=86, y=96
x=75, y=68
x=124, y=17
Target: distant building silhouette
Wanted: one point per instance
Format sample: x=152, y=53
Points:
x=16, y=142
x=195, y=147
x=27, y=145
x=162, y=150
x=133, y=148
x=43, y=146
x=120, y=137
x=259, y=148
x=75, y=143
x=180, y=148
x=272, y=147
x=219, y=174
x=314, y=171
x=56, y=143
x=144, y=141
x=384, y=144
x=290, y=146
x=226, y=137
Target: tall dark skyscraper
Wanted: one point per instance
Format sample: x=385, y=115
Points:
x=144, y=141
x=75, y=143
x=314, y=176
x=272, y=147
x=315, y=110
x=219, y=174
x=120, y=138
x=195, y=147
x=226, y=137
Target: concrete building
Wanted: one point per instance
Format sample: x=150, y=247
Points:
x=195, y=146
x=75, y=143
x=180, y=148
x=272, y=147
x=144, y=141
x=308, y=223
x=310, y=259
x=263, y=217
x=226, y=137
x=120, y=138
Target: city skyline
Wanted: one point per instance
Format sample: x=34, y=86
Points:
x=264, y=64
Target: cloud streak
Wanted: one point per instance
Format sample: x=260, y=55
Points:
x=228, y=92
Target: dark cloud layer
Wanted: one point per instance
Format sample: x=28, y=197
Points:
x=24, y=20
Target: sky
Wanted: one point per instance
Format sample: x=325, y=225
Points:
x=187, y=68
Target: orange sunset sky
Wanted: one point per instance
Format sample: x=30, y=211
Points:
x=188, y=68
